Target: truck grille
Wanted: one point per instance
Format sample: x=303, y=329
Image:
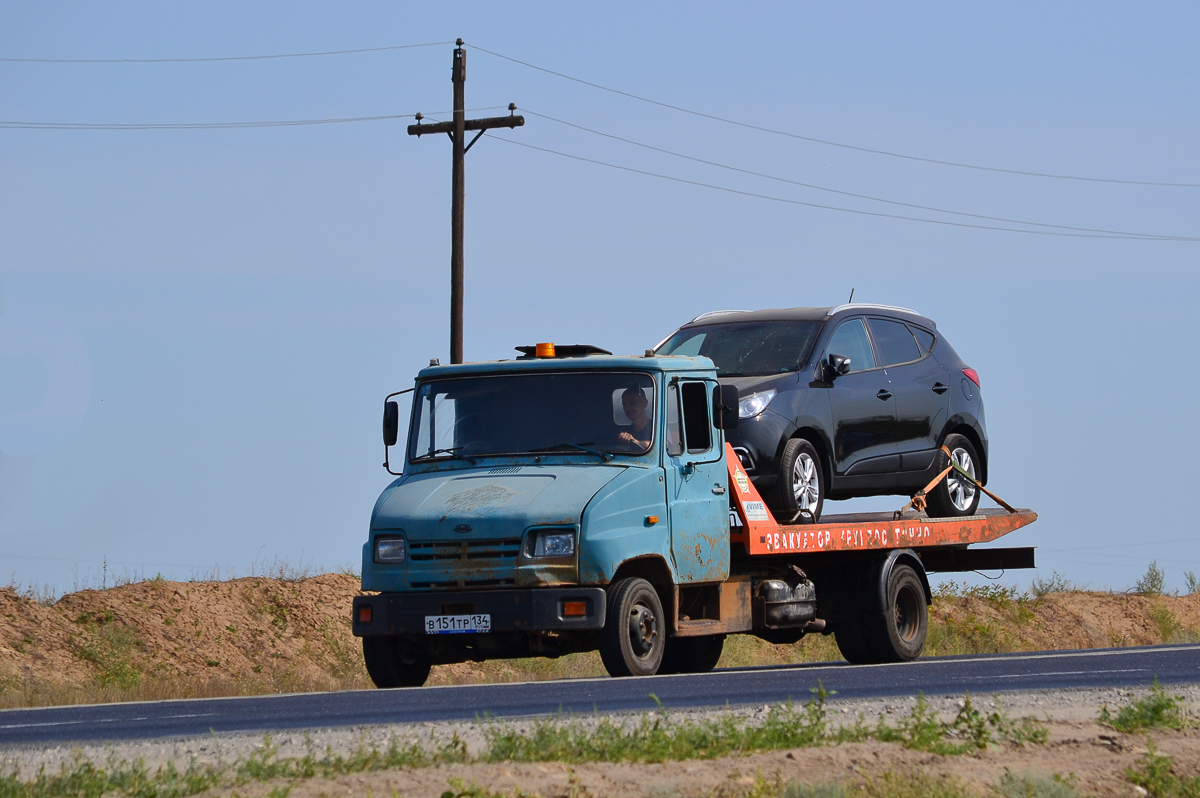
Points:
x=464, y=583
x=506, y=549
x=452, y=564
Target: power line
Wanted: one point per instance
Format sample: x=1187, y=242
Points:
x=17, y=125
x=829, y=143
x=839, y=191
x=756, y=195
x=193, y=125
x=219, y=58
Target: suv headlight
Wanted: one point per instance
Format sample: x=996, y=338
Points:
x=755, y=403
x=390, y=549
x=550, y=543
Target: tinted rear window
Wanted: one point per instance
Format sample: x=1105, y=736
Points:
x=748, y=348
x=925, y=339
x=893, y=341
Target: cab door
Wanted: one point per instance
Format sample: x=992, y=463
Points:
x=697, y=480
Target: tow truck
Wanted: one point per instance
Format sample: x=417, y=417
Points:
x=571, y=500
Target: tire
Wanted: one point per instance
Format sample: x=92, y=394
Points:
x=634, y=637
x=692, y=654
x=852, y=642
x=395, y=661
x=905, y=623
x=801, y=483
x=955, y=496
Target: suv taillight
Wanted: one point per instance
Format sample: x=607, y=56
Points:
x=972, y=376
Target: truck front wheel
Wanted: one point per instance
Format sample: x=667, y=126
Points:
x=395, y=661
x=635, y=632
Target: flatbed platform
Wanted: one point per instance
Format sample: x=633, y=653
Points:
x=761, y=533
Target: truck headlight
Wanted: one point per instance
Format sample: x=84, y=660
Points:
x=755, y=403
x=390, y=549
x=551, y=543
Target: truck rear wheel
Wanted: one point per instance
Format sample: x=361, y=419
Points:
x=905, y=620
x=395, y=661
x=692, y=654
x=635, y=632
x=892, y=633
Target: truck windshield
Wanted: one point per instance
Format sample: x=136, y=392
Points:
x=600, y=414
x=747, y=349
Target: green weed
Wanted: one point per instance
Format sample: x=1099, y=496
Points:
x=1155, y=709
x=1155, y=773
x=1168, y=625
x=111, y=650
x=460, y=790
x=820, y=790
x=1028, y=786
x=1055, y=583
x=913, y=785
x=1153, y=582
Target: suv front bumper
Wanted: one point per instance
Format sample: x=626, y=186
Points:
x=514, y=610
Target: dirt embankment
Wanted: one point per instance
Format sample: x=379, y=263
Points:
x=160, y=639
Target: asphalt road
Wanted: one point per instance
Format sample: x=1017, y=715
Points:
x=1128, y=667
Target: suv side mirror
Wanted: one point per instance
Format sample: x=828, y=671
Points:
x=836, y=366
x=391, y=423
x=725, y=407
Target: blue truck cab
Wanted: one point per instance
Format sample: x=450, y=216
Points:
x=549, y=504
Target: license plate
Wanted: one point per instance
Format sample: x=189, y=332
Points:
x=457, y=624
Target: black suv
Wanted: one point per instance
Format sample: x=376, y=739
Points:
x=857, y=400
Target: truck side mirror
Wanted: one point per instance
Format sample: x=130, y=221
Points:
x=391, y=423
x=725, y=407
x=836, y=366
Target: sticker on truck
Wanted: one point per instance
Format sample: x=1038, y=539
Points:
x=457, y=624
x=756, y=511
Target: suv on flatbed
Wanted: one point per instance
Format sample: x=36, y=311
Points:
x=836, y=403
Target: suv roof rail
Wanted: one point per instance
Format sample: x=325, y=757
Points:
x=716, y=313
x=870, y=306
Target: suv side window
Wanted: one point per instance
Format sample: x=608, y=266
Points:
x=850, y=340
x=925, y=338
x=894, y=342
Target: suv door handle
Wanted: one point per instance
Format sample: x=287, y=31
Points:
x=884, y=394
x=939, y=388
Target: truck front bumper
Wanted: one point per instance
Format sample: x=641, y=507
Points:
x=514, y=610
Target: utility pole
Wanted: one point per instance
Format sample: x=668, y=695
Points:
x=457, y=130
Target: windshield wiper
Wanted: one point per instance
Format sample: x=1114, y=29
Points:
x=606, y=455
x=452, y=451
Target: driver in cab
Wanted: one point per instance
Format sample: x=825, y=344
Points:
x=639, y=433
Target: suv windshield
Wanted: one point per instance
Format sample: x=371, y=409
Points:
x=597, y=413
x=747, y=349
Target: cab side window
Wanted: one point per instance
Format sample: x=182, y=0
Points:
x=674, y=424
x=696, y=421
x=850, y=340
x=893, y=341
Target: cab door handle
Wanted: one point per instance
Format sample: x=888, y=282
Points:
x=938, y=388
x=719, y=490
x=884, y=394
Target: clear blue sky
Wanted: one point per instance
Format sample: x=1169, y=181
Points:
x=198, y=326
